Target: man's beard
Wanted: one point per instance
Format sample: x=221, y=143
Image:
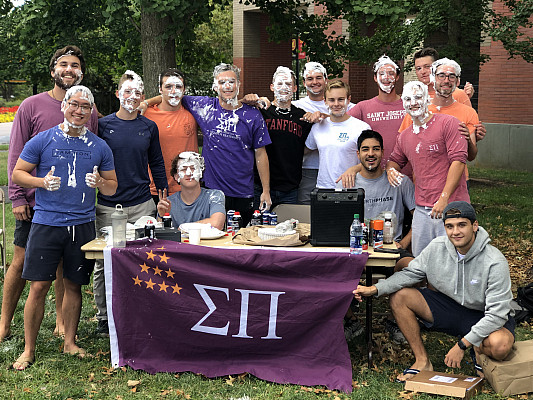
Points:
x=62, y=85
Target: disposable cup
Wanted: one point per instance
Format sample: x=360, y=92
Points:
x=194, y=235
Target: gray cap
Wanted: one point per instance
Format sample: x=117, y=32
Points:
x=459, y=209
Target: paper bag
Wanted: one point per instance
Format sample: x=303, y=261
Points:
x=249, y=236
x=514, y=375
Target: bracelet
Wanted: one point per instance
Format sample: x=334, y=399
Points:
x=461, y=344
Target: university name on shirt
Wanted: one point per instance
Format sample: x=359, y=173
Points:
x=69, y=153
x=284, y=125
x=385, y=115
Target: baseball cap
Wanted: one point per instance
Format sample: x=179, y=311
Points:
x=459, y=209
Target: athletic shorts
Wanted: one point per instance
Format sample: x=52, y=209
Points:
x=47, y=245
x=22, y=230
x=451, y=317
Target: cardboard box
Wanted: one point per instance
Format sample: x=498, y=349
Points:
x=435, y=382
x=514, y=375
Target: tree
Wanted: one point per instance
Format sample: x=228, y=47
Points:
x=509, y=28
x=162, y=23
x=388, y=26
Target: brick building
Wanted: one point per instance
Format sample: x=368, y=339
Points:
x=503, y=90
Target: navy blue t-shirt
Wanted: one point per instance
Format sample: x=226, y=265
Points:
x=135, y=146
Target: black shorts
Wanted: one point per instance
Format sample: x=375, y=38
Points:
x=22, y=230
x=451, y=317
x=47, y=245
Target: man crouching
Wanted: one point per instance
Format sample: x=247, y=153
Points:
x=470, y=295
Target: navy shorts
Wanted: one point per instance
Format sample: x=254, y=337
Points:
x=451, y=317
x=47, y=245
x=22, y=231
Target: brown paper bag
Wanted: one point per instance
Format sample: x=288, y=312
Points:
x=514, y=375
x=250, y=237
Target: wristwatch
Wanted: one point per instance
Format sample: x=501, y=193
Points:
x=461, y=344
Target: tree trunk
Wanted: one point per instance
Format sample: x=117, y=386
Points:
x=157, y=54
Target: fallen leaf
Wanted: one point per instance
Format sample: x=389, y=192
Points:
x=133, y=389
x=230, y=380
x=27, y=390
x=132, y=383
x=91, y=377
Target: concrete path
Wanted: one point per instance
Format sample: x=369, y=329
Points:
x=5, y=131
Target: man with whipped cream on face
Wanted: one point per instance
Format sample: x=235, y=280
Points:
x=70, y=162
x=438, y=153
x=385, y=112
x=192, y=203
x=235, y=136
x=177, y=127
x=288, y=132
x=134, y=140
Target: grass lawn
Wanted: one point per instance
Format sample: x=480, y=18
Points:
x=503, y=202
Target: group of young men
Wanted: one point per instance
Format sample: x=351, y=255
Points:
x=256, y=154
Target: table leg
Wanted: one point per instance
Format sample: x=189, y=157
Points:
x=369, y=317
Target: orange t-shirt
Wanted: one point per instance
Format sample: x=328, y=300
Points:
x=177, y=133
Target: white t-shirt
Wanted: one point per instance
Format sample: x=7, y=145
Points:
x=311, y=160
x=337, y=146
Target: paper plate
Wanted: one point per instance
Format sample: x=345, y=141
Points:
x=141, y=222
x=208, y=232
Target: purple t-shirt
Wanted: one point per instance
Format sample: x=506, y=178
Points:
x=230, y=138
x=35, y=114
x=385, y=118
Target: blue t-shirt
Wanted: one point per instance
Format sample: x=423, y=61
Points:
x=230, y=138
x=209, y=202
x=135, y=146
x=73, y=157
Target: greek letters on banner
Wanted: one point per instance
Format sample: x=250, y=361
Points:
x=276, y=314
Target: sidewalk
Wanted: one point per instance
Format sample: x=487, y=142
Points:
x=5, y=131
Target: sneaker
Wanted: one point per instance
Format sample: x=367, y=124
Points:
x=102, y=330
x=395, y=333
x=352, y=328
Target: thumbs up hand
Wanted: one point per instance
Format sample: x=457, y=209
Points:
x=51, y=182
x=93, y=179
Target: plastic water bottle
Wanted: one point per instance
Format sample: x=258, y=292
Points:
x=388, y=229
x=356, y=236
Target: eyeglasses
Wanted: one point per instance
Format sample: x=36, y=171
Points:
x=442, y=76
x=75, y=106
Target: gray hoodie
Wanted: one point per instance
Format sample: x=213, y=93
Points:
x=480, y=281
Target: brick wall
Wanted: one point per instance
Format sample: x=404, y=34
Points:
x=505, y=86
x=254, y=54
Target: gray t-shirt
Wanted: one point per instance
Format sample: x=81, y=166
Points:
x=381, y=196
x=209, y=202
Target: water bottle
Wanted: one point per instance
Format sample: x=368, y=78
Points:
x=118, y=223
x=388, y=229
x=356, y=236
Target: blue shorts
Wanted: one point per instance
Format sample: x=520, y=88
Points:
x=47, y=245
x=451, y=317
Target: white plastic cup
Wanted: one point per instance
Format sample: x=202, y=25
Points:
x=194, y=235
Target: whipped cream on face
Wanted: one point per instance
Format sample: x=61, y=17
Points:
x=174, y=97
x=133, y=88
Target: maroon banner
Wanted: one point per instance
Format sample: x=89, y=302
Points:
x=277, y=314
